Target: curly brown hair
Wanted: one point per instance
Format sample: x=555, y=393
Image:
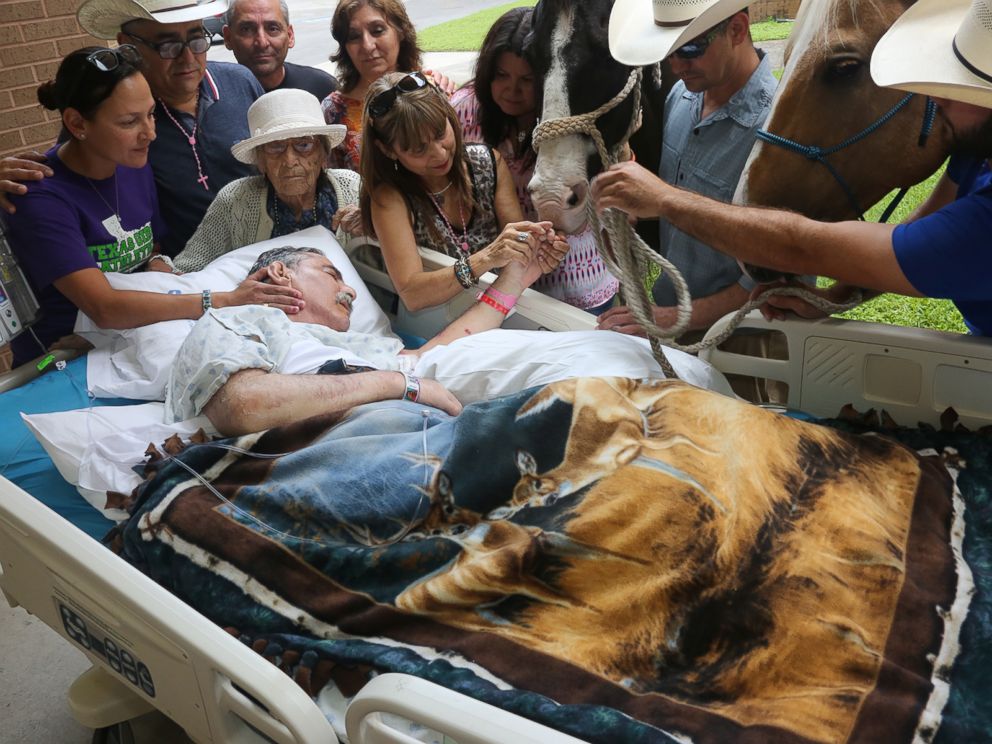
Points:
x=410, y=56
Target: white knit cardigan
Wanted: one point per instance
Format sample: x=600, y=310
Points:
x=238, y=217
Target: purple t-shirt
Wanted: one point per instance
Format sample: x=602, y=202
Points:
x=67, y=223
x=949, y=253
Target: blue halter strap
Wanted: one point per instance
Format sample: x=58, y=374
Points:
x=820, y=154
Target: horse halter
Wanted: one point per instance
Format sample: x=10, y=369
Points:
x=586, y=123
x=819, y=154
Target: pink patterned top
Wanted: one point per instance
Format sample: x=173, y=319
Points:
x=581, y=278
x=342, y=109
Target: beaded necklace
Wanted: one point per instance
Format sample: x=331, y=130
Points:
x=451, y=231
x=191, y=138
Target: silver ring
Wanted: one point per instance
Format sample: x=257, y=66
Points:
x=522, y=236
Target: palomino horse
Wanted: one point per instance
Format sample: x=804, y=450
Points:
x=836, y=143
x=570, y=55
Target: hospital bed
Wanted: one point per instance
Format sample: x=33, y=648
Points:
x=219, y=690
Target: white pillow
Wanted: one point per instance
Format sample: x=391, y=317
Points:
x=142, y=372
x=502, y=362
x=96, y=448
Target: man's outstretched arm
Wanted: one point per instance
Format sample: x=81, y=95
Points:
x=252, y=399
x=857, y=253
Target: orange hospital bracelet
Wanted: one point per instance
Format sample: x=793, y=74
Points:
x=483, y=297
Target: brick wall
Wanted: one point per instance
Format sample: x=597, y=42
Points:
x=762, y=9
x=34, y=36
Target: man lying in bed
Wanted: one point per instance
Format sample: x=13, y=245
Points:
x=241, y=366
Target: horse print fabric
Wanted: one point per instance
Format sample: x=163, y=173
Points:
x=621, y=560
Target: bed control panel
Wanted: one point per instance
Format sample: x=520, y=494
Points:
x=108, y=649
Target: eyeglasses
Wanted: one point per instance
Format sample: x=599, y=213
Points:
x=172, y=49
x=385, y=100
x=698, y=46
x=106, y=60
x=301, y=146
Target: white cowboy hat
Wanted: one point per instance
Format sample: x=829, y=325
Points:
x=104, y=18
x=939, y=48
x=285, y=114
x=643, y=32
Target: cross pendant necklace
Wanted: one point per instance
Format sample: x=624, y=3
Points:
x=191, y=138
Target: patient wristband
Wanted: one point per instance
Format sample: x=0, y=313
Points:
x=412, y=387
x=494, y=302
x=506, y=300
x=205, y=300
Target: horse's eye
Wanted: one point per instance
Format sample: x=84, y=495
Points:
x=844, y=69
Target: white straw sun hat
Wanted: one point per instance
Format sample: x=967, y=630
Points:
x=285, y=114
x=643, y=32
x=104, y=18
x=939, y=48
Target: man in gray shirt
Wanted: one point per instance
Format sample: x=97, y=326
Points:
x=723, y=96
x=260, y=35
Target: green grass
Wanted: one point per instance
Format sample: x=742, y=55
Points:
x=770, y=30
x=464, y=34
x=895, y=309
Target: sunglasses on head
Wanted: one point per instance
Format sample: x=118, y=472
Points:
x=106, y=60
x=698, y=46
x=385, y=100
x=172, y=49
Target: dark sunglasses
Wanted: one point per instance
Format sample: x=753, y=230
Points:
x=172, y=49
x=698, y=46
x=106, y=60
x=385, y=100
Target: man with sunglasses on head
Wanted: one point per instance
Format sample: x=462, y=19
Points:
x=722, y=97
x=200, y=107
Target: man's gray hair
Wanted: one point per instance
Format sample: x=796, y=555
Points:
x=286, y=254
x=229, y=14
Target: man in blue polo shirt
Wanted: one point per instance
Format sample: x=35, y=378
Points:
x=940, y=48
x=201, y=108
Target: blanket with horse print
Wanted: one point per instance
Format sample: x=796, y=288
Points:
x=622, y=560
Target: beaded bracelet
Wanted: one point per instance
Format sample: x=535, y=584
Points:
x=493, y=303
x=463, y=272
x=205, y=300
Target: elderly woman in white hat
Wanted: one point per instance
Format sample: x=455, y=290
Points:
x=289, y=144
x=940, y=48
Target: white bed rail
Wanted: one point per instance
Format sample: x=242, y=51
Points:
x=148, y=648
x=461, y=718
x=533, y=311
x=911, y=373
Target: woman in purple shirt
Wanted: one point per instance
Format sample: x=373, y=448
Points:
x=98, y=211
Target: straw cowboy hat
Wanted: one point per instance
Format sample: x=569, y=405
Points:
x=643, y=32
x=939, y=48
x=285, y=114
x=104, y=18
